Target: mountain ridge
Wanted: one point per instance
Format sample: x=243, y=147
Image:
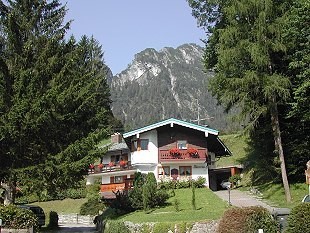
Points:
x=170, y=82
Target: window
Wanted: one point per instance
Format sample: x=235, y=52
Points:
x=182, y=144
x=164, y=171
x=185, y=171
x=115, y=158
x=118, y=179
x=144, y=144
x=139, y=144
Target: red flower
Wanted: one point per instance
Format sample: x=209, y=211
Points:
x=122, y=163
x=174, y=151
x=100, y=165
x=192, y=151
x=91, y=166
x=111, y=164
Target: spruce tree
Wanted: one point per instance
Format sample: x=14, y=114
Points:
x=54, y=100
x=245, y=50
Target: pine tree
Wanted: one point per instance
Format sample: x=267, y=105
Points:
x=245, y=51
x=54, y=100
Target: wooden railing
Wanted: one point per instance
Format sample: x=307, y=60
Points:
x=110, y=167
x=112, y=187
x=164, y=155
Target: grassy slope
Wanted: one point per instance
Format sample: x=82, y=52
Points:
x=236, y=143
x=273, y=193
x=208, y=205
x=66, y=206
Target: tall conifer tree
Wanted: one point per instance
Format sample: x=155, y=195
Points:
x=245, y=49
x=54, y=100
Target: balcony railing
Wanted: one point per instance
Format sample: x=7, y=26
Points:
x=112, y=187
x=164, y=155
x=110, y=167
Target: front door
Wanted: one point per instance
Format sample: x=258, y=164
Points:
x=174, y=173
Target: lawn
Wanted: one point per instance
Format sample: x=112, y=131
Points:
x=236, y=143
x=209, y=207
x=274, y=194
x=66, y=206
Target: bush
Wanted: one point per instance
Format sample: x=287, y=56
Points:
x=200, y=182
x=161, y=196
x=113, y=226
x=299, y=219
x=149, y=191
x=235, y=179
x=121, y=202
x=14, y=217
x=247, y=220
x=92, y=207
x=162, y=227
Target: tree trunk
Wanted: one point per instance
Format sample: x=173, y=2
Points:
x=278, y=146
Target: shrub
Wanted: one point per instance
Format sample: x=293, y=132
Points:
x=122, y=202
x=176, y=204
x=14, y=217
x=299, y=219
x=161, y=196
x=193, y=198
x=199, y=182
x=235, y=179
x=149, y=191
x=113, y=226
x=135, y=198
x=162, y=227
x=247, y=220
x=92, y=207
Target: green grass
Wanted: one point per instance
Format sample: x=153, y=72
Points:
x=208, y=205
x=274, y=194
x=66, y=206
x=236, y=143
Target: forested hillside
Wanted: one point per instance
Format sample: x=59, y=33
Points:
x=168, y=83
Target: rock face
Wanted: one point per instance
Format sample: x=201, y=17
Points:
x=168, y=83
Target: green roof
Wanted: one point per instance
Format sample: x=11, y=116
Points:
x=170, y=121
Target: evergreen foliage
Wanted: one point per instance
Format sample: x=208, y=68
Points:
x=299, y=219
x=246, y=220
x=54, y=98
x=260, y=62
x=149, y=191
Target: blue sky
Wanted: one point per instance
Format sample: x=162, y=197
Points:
x=127, y=27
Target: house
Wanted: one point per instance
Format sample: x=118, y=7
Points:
x=172, y=149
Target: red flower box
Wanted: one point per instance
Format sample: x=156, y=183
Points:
x=100, y=166
x=175, y=152
x=193, y=152
x=122, y=163
x=111, y=164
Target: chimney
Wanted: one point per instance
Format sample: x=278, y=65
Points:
x=116, y=138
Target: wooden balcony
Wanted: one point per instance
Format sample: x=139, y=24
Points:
x=112, y=187
x=164, y=155
x=109, y=168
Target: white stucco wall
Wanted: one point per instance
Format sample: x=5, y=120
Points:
x=149, y=156
x=201, y=170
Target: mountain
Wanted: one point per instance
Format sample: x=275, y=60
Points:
x=171, y=82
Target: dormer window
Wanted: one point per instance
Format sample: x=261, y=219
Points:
x=182, y=144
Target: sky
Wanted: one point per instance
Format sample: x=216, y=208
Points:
x=127, y=27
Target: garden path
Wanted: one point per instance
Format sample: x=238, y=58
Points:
x=242, y=199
